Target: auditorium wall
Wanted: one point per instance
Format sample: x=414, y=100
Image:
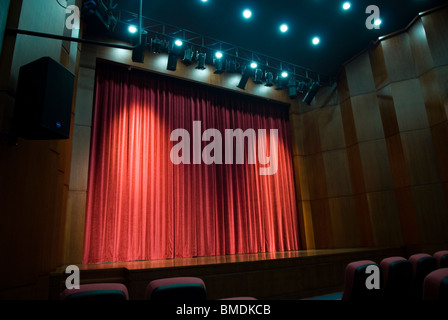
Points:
x=34, y=175
x=371, y=154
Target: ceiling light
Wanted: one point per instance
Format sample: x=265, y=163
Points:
x=219, y=63
x=316, y=41
x=285, y=74
x=178, y=43
x=284, y=28
x=218, y=55
x=132, y=29
x=254, y=65
x=346, y=5
x=378, y=22
x=247, y=14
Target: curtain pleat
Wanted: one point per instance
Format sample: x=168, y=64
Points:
x=141, y=206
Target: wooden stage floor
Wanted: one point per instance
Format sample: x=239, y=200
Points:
x=265, y=276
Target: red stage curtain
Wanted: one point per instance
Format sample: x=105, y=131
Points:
x=141, y=206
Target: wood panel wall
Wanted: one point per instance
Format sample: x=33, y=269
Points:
x=371, y=156
x=34, y=175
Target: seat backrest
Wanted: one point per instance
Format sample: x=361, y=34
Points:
x=422, y=265
x=355, y=282
x=442, y=258
x=397, y=278
x=435, y=285
x=97, y=291
x=180, y=288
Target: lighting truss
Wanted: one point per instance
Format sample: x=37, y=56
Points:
x=239, y=56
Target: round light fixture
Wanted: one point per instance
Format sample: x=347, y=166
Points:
x=247, y=14
x=132, y=29
x=346, y=5
x=218, y=55
x=284, y=28
x=316, y=41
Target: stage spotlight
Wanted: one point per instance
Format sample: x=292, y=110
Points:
x=284, y=74
x=292, y=86
x=246, y=73
x=200, y=57
x=316, y=41
x=254, y=65
x=269, y=79
x=132, y=29
x=188, y=56
x=279, y=82
x=284, y=28
x=219, y=63
x=156, y=45
x=311, y=93
x=173, y=56
x=346, y=5
x=258, y=76
x=302, y=87
x=230, y=66
x=218, y=55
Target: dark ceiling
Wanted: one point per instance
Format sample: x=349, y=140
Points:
x=343, y=34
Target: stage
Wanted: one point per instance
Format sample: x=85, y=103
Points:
x=268, y=276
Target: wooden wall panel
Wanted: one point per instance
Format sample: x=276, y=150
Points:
x=409, y=105
x=388, y=114
x=397, y=160
x=331, y=130
x=378, y=64
x=385, y=219
x=431, y=211
x=407, y=216
x=375, y=164
x=348, y=122
x=345, y=227
x=398, y=58
x=434, y=86
x=420, y=48
x=337, y=173
x=360, y=76
x=323, y=231
x=367, y=117
x=436, y=27
x=440, y=137
x=316, y=176
x=311, y=142
x=420, y=157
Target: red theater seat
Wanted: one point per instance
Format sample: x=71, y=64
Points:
x=435, y=285
x=355, y=282
x=422, y=265
x=442, y=258
x=397, y=278
x=182, y=288
x=97, y=291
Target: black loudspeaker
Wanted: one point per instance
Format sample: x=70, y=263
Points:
x=43, y=101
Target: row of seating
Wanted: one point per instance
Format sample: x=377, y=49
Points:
x=421, y=277
x=177, y=288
